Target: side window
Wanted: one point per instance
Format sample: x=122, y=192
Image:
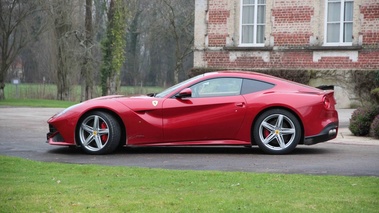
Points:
x=217, y=87
x=250, y=86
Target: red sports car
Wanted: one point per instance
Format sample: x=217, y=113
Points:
x=225, y=108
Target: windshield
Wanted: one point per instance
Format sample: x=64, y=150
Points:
x=171, y=89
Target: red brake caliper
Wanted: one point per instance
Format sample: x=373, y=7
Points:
x=266, y=133
x=104, y=138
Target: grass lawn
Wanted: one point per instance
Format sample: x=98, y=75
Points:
x=36, y=103
x=49, y=91
x=29, y=186
x=38, y=95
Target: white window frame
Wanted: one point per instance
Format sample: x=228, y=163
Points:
x=255, y=24
x=341, y=22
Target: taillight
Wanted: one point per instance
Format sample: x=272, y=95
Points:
x=326, y=102
x=329, y=101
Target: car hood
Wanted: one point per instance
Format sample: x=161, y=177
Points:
x=107, y=97
x=136, y=103
x=121, y=98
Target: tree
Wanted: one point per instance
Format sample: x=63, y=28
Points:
x=113, y=48
x=21, y=22
x=132, y=50
x=89, y=45
x=87, y=64
x=84, y=42
x=63, y=13
x=160, y=40
x=180, y=28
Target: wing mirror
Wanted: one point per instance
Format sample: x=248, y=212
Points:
x=185, y=93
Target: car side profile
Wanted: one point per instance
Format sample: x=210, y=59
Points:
x=228, y=108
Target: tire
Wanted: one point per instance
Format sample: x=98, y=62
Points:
x=277, y=131
x=98, y=133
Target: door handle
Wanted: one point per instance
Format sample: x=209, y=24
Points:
x=241, y=104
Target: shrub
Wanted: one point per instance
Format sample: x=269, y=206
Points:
x=374, y=129
x=365, y=81
x=362, y=118
x=375, y=94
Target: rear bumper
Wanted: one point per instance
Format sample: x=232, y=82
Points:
x=328, y=133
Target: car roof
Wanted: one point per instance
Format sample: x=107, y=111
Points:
x=259, y=76
x=245, y=74
x=240, y=73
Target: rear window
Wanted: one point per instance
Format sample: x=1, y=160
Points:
x=251, y=86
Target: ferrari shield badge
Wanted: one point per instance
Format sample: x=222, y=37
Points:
x=155, y=103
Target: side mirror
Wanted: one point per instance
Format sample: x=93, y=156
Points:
x=185, y=93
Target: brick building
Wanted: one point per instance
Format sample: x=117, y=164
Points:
x=330, y=39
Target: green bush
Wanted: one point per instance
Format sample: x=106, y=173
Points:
x=362, y=118
x=375, y=94
x=365, y=81
x=374, y=129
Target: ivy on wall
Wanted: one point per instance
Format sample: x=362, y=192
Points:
x=113, y=47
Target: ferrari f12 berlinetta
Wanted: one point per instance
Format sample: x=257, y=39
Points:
x=228, y=108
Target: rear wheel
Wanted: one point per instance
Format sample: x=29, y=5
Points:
x=99, y=133
x=277, y=131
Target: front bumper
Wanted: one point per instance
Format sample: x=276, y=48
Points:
x=328, y=133
x=55, y=138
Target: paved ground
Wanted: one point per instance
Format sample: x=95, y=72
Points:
x=23, y=132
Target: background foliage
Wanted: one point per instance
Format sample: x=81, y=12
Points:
x=158, y=36
x=366, y=81
x=362, y=119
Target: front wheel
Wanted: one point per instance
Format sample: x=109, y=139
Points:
x=277, y=131
x=98, y=133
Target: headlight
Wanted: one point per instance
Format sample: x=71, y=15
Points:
x=67, y=109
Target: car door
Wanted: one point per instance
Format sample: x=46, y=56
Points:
x=214, y=111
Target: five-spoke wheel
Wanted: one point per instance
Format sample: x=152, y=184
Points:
x=277, y=131
x=98, y=133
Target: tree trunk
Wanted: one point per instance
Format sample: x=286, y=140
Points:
x=3, y=67
x=3, y=74
x=62, y=83
x=113, y=50
x=65, y=60
x=87, y=68
x=2, y=86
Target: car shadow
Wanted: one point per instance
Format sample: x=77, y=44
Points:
x=190, y=150
x=300, y=150
x=66, y=150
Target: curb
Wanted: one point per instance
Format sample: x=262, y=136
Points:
x=346, y=137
